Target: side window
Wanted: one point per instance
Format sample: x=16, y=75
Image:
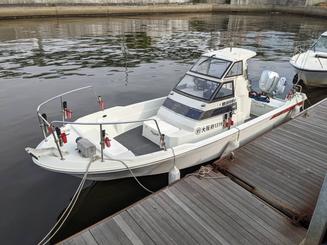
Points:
x=236, y=70
x=226, y=90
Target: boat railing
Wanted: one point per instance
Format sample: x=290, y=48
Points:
x=302, y=48
x=298, y=88
x=102, y=138
x=45, y=124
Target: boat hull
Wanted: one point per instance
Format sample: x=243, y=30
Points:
x=310, y=69
x=312, y=78
x=203, y=151
x=186, y=155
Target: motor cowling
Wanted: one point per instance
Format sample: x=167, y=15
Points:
x=271, y=83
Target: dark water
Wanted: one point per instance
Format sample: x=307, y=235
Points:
x=127, y=60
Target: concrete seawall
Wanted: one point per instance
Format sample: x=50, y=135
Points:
x=108, y=10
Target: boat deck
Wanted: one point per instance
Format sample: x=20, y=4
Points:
x=215, y=210
x=134, y=141
x=286, y=166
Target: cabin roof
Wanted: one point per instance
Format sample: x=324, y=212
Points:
x=324, y=34
x=232, y=54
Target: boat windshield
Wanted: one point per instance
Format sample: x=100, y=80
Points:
x=197, y=87
x=211, y=67
x=321, y=45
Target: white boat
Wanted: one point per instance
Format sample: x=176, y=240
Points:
x=210, y=112
x=311, y=66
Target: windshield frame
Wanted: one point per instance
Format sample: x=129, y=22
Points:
x=175, y=89
x=313, y=47
x=212, y=57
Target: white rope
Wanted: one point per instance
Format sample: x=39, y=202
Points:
x=130, y=170
x=136, y=179
x=68, y=209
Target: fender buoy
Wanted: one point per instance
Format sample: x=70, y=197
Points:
x=174, y=175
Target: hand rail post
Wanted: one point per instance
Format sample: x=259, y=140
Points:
x=57, y=143
x=161, y=136
x=101, y=142
x=42, y=126
x=62, y=110
x=162, y=141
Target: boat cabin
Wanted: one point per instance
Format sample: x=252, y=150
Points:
x=321, y=44
x=211, y=97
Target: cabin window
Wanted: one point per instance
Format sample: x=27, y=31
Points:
x=197, y=114
x=236, y=70
x=321, y=44
x=226, y=90
x=183, y=109
x=197, y=87
x=210, y=66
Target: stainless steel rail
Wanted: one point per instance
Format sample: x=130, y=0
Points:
x=61, y=95
x=45, y=123
x=160, y=135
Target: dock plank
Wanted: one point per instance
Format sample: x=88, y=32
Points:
x=83, y=238
x=226, y=227
x=254, y=212
x=287, y=165
x=109, y=233
x=200, y=234
x=196, y=211
x=131, y=229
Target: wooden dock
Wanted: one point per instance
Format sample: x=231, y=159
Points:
x=272, y=182
x=195, y=211
x=286, y=166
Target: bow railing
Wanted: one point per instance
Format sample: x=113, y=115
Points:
x=45, y=124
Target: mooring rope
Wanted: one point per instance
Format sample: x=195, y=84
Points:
x=68, y=209
x=204, y=171
x=133, y=175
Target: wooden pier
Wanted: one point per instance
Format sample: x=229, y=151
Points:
x=286, y=166
x=195, y=211
x=272, y=183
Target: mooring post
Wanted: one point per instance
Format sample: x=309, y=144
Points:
x=317, y=227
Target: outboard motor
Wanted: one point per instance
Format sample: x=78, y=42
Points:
x=270, y=83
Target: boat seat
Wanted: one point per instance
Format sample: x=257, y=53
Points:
x=150, y=131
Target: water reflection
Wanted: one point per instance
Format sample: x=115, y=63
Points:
x=61, y=48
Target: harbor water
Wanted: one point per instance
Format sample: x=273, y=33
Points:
x=126, y=60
